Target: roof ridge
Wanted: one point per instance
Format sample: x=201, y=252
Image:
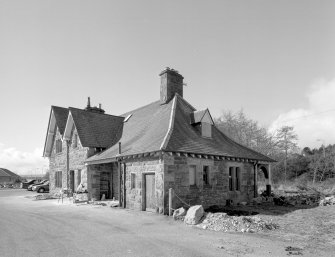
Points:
x=137, y=109
x=116, y=116
x=171, y=124
x=185, y=102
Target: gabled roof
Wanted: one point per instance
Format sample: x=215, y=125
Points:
x=57, y=119
x=94, y=129
x=144, y=131
x=61, y=117
x=187, y=138
x=167, y=127
x=199, y=116
x=7, y=173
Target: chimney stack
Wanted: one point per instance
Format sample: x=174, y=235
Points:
x=93, y=108
x=171, y=83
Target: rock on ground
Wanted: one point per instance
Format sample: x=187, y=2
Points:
x=194, y=215
x=179, y=213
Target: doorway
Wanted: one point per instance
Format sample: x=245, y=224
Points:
x=149, y=188
x=105, y=184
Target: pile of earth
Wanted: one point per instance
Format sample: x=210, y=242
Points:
x=330, y=200
x=224, y=222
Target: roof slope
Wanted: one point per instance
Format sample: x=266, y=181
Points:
x=61, y=117
x=7, y=173
x=187, y=138
x=168, y=127
x=144, y=131
x=97, y=129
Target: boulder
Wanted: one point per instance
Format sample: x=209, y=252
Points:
x=194, y=215
x=257, y=200
x=179, y=213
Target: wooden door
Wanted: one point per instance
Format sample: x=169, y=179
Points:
x=150, y=199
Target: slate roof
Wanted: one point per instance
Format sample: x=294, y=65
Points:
x=197, y=116
x=7, y=173
x=168, y=127
x=143, y=132
x=187, y=138
x=97, y=129
x=61, y=117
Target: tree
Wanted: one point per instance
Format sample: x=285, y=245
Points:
x=246, y=132
x=286, y=140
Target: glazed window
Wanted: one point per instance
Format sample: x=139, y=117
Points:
x=234, y=178
x=133, y=180
x=231, y=171
x=58, y=179
x=205, y=175
x=58, y=146
x=192, y=175
x=75, y=141
x=237, y=179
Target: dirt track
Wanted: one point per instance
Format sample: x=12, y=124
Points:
x=46, y=228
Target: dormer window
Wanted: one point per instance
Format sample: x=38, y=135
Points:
x=203, y=120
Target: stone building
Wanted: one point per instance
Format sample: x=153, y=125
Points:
x=7, y=177
x=139, y=155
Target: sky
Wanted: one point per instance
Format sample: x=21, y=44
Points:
x=273, y=59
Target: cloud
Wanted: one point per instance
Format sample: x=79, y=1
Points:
x=22, y=162
x=317, y=121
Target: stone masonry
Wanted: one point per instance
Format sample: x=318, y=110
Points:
x=216, y=193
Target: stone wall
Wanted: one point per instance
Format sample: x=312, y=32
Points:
x=77, y=156
x=139, y=167
x=93, y=179
x=57, y=162
x=216, y=193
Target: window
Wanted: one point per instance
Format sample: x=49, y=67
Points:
x=205, y=175
x=132, y=180
x=206, y=129
x=237, y=178
x=58, y=146
x=231, y=171
x=192, y=175
x=234, y=178
x=75, y=141
x=58, y=179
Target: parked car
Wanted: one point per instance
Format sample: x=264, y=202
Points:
x=28, y=183
x=30, y=187
x=41, y=188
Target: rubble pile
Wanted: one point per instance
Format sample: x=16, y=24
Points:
x=327, y=201
x=300, y=199
x=225, y=223
x=289, y=198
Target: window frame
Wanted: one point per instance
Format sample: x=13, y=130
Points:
x=58, y=179
x=75, y=141
x=234, y=178
x=230, y=179
x=132, y=180
x=206, y=175
x=59, y=146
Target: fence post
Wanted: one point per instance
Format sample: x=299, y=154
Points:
x=170, y=201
